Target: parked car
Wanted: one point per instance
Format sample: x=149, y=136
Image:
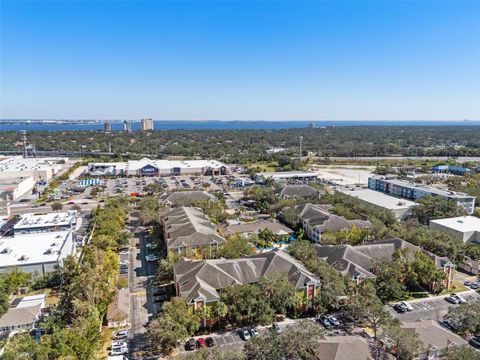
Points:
x=116, y=344
x=201, y=343
x=160, y=298
x=475, y=286
x=452, y=299
x=123, y=251
x=468, y=283
x=119, y=335
x=245, y=335
x=400, y=308
x=277, y=328
x=119, y=351
x=333, y=320
x=150, y=258
x=324, y=321
x=151, y=245
x=160, y=291
x=460, y=298
x=448, y=325
x=210, y=342
x=407, y=306
x=191, y=344
x=475, y=342
x=254, y=332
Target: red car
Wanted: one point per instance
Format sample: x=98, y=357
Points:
x=201, y=343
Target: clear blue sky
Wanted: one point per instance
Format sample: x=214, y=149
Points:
x=240, y=60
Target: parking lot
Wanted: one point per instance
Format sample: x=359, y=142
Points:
x=431, y=309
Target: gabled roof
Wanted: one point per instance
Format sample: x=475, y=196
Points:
x=186, y=197
x=432, y=335
x=188, y=226
x=299, y=191
x=252, y=227
x=344, y=348
x=359, y=260
x=323, y=220
x=20, y=316
x=206, y=277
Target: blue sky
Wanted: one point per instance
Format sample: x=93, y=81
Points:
x=274, y=60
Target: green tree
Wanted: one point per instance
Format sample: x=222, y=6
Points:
x=466, y=317
x=265, y=238
x=149, y=210
x=279, y=291
x=460, y=353
x=235, y=246
x=434, y=207
x=246, y=305
x=298, y=342
x=176, y=323
x=389, y=283
x=405, y=341
x=57, y=206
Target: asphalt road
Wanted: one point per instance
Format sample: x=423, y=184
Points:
x=19, y=209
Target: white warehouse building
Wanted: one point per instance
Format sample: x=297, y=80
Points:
x=466, y=228
x=147, y=167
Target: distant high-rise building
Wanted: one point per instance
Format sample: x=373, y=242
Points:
x=146, y=124
x=127, y=126
x=107, y=126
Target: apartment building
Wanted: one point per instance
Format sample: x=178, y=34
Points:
x=408, y=190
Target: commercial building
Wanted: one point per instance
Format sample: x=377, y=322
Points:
x=200, y=282
x=286, y=175
x=400, y=208
x=435, y=339
x=466, y=228
x=357, y=262
x=408, y=190
x=127, y=126
x=146, y=124
x=147, y=167
x=39, y=168
x=107, y=126
x=188, y=232
x=16, y=187
x=35, y=253
x=40, y=223
x=315, y=221
x=450, y=169
x=23, y=314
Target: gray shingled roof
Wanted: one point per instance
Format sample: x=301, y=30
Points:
x=189, y=227
x=186, y=197
x=205, y=277
x=299, y=191
x=432, y=335
x=20, y=316
x=252, y=227
x=344, y=348
x=321, y=219
x=355, y=260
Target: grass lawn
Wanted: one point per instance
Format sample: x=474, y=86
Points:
x=263, y=166
x=456, y=287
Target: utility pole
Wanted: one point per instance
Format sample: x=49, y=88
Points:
x=301, y=141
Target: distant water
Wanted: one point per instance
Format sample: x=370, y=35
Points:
x=16, y=125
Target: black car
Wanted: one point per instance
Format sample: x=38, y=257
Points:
x=159, y=292
x=191, y=344
x=399, y=308
x=475, y=342
x=210, y=342
x=161, y=298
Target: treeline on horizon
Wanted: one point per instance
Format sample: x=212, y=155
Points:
x=242, y=146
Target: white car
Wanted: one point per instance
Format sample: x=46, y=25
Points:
x=150, y=258
x=406, y=306
x=460, y=298
x=117, y=344
x=122, y=350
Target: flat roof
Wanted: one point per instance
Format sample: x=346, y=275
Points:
x=32, y=220
x=162, y=164
x=461, y=223
x=287, y=174
x=35, y=248
x=19, y=163
x=426, y=188
x=378, y=198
